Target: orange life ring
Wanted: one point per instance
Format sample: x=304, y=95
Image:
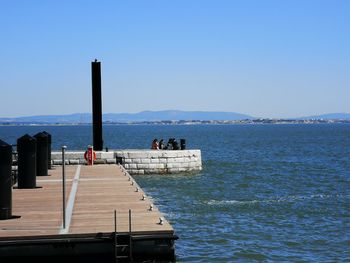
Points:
x=86, y=155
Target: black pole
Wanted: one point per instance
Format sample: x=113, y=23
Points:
x=26, y=148
x=41, y=154
x=49, y=137
x=96, y=106
x=5, y=181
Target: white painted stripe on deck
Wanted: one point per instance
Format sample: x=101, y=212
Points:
x=71, y=201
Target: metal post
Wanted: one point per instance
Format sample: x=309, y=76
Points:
x=130, y=237
x=64, y=186
x=115, y=237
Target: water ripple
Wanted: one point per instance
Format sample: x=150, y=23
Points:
x=291, y=198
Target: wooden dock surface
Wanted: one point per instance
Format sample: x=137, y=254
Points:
x=92, y=195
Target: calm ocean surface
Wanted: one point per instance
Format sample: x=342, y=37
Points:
x=266, y=193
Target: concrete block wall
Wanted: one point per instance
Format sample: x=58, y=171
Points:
x=160, y=162
x=139, y=161
x=77, y=157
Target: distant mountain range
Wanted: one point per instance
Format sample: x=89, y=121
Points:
x=166, y=115
x=175, y=115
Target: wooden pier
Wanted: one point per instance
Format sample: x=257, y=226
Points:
x=93, y=193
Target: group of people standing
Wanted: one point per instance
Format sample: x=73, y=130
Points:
x=171, y=145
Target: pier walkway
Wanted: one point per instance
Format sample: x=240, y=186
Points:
x=93, y=193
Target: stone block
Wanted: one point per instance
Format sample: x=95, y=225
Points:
x=170, y=154
x=173, y=170
x=182, y=165
x=138, y=154
x=163, y=160
x=154, y=160
x=192, y=165
x=169, y=165
x=57, y=162
x=156, y=166
x=56, y=155
x=73, y=155
x=143, y=166
x=177, y=165
x=136, y=160
x=74, y=161
x=127, y=160
x=132, y=171
x=156, y=171
x=155, y=153
x=107, y=155
x=146, y=160
x=111, y=161
x=122, y=154
x=179, y=160
x=136, y=171
x=100, y=161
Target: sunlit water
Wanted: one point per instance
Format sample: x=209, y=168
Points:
x=266, y=192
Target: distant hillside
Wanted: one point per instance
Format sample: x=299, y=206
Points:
x=131, y=117
x=174, y=115
x=339, y=116
x=71, y=118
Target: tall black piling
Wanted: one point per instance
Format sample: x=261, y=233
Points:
x=96, y=105
x=41, y=154
x=26, y=148
x=49, y=142
x=5, y=181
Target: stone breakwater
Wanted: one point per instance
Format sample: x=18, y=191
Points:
x=160, y=162
x=139, y=161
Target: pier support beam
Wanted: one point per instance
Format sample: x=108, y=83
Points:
x=96, y=105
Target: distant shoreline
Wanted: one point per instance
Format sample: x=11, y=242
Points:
x=191, y=122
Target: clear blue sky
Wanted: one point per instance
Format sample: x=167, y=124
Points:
x=263, y=58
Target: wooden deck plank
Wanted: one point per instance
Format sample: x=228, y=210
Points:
x=101, y=189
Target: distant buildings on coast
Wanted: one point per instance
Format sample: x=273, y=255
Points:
x=192, y=122
x=246, y=121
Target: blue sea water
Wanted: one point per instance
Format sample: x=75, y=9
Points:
x=266, y=192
